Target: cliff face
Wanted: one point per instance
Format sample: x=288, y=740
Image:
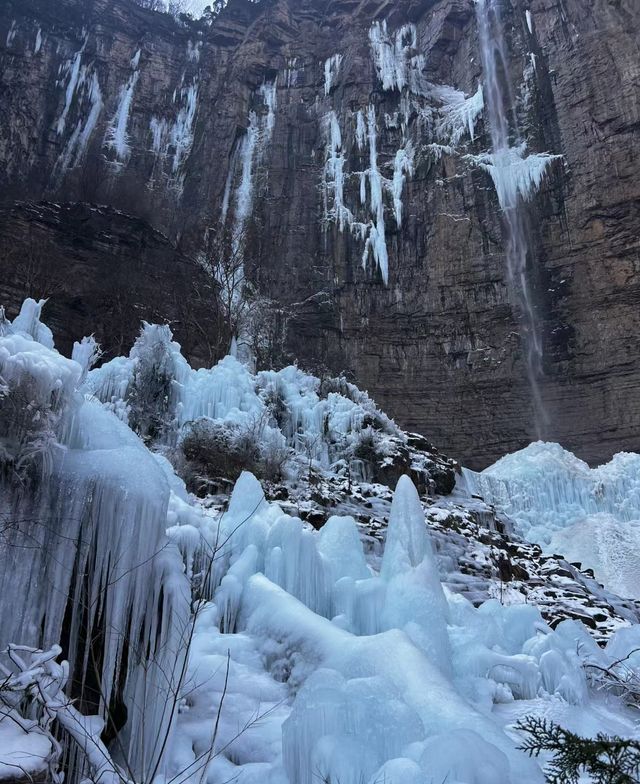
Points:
x=342, y=141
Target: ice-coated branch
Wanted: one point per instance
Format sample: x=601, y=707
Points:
x=38, y=675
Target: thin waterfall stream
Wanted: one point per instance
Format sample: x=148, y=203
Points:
x=506, y=165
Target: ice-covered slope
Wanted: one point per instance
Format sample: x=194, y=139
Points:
x=342, y=652
x=590, y=515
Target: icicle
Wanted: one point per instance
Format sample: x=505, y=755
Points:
x=402, y=167
x=38, y=43
x=193, y=51
x=116, y=136
x=459, y=114
x=74, y=75
x=181, y=137
x=529, y=21
x=515, y=175
x=86, y=354
x=331, y=70
x=76, y=146
x=376, y=241
x=12, y=33
x=394, y=57
x=361, y=130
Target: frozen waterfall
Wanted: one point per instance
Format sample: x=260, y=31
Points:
x=557, y=501
x=515, y=176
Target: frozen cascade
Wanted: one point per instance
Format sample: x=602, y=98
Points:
x=459, y=113
x=72, y=71
x=38, y=43
x=90, y=107
x=334, y=174
x=248, y=157
x=229, y=393
x=331, y=70
x=557, y=501
x=397, y=60
x=103, y=569
x=116, y=136
x=516, y=178
x=327, y=667
x=175, y=139
x=372, y=229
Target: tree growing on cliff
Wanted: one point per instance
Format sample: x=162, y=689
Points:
x=253, y=321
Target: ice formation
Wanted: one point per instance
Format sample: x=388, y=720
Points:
x=71, y=70
x=529, y=21
x=331, y=70
x=88, y=558
x=248, y=157
x=556, y=500
x=310, y=424
x=116, y=136
x=174, y=140
x=90, y=106
x=193, y=51
x=371, y=229
x=305, y=659
x=516, y=175
x=459, y=113
x=13, y=29
x=397, y=60
x=38, y=42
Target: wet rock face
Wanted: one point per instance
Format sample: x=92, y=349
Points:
x=282, y=121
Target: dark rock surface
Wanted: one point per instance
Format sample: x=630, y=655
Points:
x=439, y=347
x=103, y=272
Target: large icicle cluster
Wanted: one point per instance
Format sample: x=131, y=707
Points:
x=331, y=70
x=90, y=106
x=516, y=175
x=248, y=156
x=591, y=515
x=342, y=673
x=442, y=112
x=173, y=140
x=458, y=114
x=155, y=390
x=372, y=229
x=71, y=72
x=398, y=62
x=116, y=137
x=82, y=99
x=84, y=553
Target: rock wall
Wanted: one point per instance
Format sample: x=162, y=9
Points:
x=340, y=140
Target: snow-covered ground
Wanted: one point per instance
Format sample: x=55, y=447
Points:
x=345, y=651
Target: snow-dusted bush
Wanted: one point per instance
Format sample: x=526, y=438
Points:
x=151, y=395
x=222, y=450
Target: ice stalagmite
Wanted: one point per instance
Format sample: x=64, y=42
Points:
x=414, y=599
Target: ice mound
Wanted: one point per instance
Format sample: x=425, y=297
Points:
x=557, y=500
